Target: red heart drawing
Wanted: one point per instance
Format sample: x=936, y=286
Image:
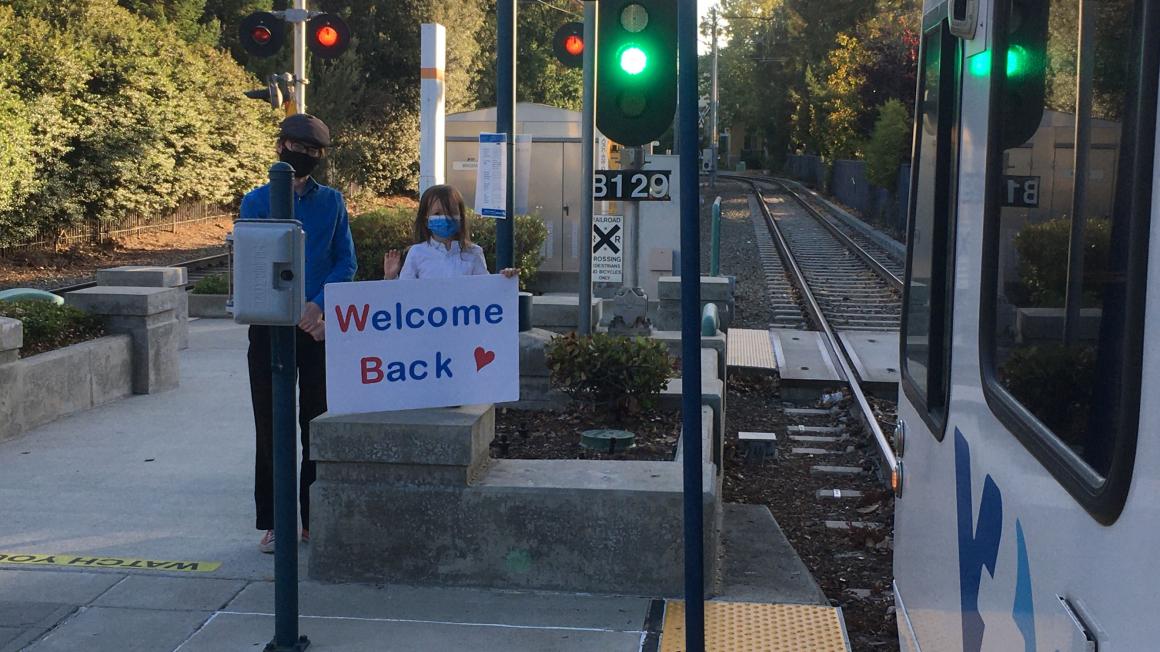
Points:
x=483, y=357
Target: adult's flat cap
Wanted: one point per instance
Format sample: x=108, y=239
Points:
x=306, y=128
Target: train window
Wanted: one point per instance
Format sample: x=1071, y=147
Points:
x=926, y=324
x=1066, y=234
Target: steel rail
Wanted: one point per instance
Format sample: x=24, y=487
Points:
x=881, y=270
x=832, y=339
x=197, y=263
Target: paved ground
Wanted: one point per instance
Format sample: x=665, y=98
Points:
x=168, y=477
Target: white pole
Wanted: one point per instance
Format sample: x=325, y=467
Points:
x=300, y=60
x=432, y=132
x=713, y=144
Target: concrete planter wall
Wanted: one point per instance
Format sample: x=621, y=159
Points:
x=208, y=306
x=45, y=387
x=413, y=497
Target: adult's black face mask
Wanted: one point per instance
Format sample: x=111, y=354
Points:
x=303, y=164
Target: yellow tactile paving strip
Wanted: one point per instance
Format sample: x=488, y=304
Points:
x=750, y=348
x=749, y=627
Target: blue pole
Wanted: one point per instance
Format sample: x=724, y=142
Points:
x=283, y=371
x=690, y=326
x=505, y=123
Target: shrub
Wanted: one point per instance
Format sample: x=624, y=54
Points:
x=379, y=231
x=889, y=145
x=48, y=326
x=1043, y=260
x=213, y=284
x=613, y=373
x=1054, y=382
x=530, y=234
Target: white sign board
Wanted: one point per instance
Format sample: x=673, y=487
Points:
x=607, y=248
x=491, y=176
x=402, y=344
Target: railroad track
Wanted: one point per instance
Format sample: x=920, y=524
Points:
x=196, y=270
x=840, y=283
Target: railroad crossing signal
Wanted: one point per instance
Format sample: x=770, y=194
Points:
x=262, y=34
x=636, y=69
x=272, y=93
x=568, y=45
x=327, y=36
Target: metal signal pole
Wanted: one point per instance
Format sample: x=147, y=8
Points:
x=713, y=144
x=300, y=57
x=587, y=166
x=505, y=123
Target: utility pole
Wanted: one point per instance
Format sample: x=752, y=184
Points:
x=713, y=107
x=505, y=123
x=300, y=56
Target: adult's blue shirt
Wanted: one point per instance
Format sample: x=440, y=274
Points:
x=329, y=247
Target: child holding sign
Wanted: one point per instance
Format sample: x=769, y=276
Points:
x=443, y=246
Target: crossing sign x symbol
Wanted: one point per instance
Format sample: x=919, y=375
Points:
x=604, y=238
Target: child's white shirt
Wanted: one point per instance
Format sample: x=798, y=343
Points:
x=433, y=259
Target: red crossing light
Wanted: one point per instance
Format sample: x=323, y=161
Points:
x=574, y=45
x=261, y=34
x=568, y=45
x=327, y=36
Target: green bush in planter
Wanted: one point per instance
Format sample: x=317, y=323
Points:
x=1053, y=381
x=213, y=284
x=379, y=231
x=48, y=326
x=624, y=375
x=1043, y=250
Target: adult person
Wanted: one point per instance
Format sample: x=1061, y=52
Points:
x=302, y=142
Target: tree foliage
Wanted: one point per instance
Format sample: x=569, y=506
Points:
x=889, y=145
x=821, y=70
x=111, y=115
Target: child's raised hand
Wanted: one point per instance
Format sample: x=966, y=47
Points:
x=510, y=272
x=392, y=264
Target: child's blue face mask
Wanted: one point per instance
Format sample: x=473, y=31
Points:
x=443, y=226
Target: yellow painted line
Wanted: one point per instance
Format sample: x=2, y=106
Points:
x=77, y=561
x=750, y=627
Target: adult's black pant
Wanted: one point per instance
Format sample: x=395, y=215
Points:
x=311, y=362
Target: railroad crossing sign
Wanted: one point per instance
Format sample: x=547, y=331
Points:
x=607, y=248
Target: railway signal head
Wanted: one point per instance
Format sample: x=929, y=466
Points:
x=1025, y=89
x=262, y=33
x=327, y=36
x=636, y=69
x=568, y=45
x=272, y=93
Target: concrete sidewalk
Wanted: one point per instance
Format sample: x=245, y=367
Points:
x=168, y=477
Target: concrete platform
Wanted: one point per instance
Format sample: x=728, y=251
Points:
x=804, y=363
x=168, y=476
x=875, y=358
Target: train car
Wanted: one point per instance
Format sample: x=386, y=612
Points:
x=1028, y=515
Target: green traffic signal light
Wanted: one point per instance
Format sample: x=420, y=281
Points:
x=636, y=69
x=633, y=60
x=1018, y=62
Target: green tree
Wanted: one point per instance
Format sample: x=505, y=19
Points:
x=889, y=145
x=540, y=77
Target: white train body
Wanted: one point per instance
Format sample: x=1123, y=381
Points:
x=1029, y=513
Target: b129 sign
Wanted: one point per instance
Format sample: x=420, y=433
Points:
x=396, y=345
x=631, y=185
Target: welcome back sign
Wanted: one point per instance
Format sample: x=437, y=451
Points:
x=396, y=345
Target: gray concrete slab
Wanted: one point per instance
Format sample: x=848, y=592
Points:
x=803, y=363
x=28, y=614
x=178, y=593
x=163, y=476
x=875, y=357
x=759, y=564
x=9, y=634
x=229, y=631
x=461, y=605
x=107, y=629
x=58, y=587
